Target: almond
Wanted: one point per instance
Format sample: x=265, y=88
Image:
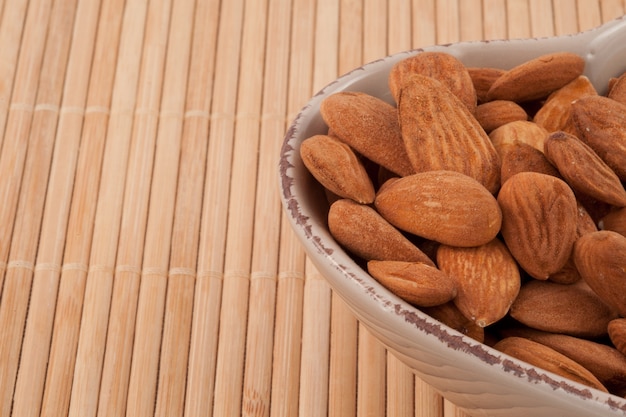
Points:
x=483, y=78
x=494, y=114
x=554, y=114
x=441, y=66
x=451, y=316
x=417, y=283
x=583, y=169
x=548, y=359
x=617, y=333
x=368, y=125
x=439, y=133
x=444, y=206
x=521, y=157
x=537, y=78
x=363, y=232
x=487, y=278
x=600, y=257
x=337, y=168
x=618, y=89
x=604, y=362
x=600, y=123
x=615, y=221
x=519, y=131
x=558, y=308
x=538, y=221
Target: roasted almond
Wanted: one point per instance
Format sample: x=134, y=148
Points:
x=451, y=316
x=439, y=133
x=537, y=78
x=559, y=308
x=615, y=221
x=618, y=89
x=600, y=123
x=441, y=66
x=521, y=157
x=617, y=333
x=337, y=168
x=519, y=131
x=600, y=257
x=368, y=125
x=363, y=232
x=583, y=169
x=554, y=114
x=487, y=279
x=538, y=221
x=444, y=206
x=494, y=114
x=483, y=78
x=417, y=283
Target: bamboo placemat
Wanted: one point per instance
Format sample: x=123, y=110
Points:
x=146, y=267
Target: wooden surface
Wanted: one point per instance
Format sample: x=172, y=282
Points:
x=146, y=267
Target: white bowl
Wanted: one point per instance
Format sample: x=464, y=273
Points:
x=470, y=374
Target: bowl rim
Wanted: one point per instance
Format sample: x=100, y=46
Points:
x=328, y=254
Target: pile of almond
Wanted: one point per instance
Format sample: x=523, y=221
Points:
x=493, y=200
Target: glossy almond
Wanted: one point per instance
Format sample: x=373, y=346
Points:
x=600, y=123
x=368, y=125
x=559, y=308
x=487, y=279
x=600, y=257
x=363, y=232
x=494, y=114
x=537, y=78
x=337, y=168
x=445, y=68
x=444, y=206
x=439, y=133
x=417, y=283
x=554, y=114
x=538, y=221
x=583, y=169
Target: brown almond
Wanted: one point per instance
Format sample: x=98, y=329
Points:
x=417, y=283
x=451, y=316
x=444, y=206
x=537, y=78
x=600, y=123
x=554, y=114
x=604, y=362
x=445, y=68
x=559, y=308
x=600, y=257
x=494, y=114
x=615, y=221
x=487, y=278
x=538, y=221
x=548, y=359
x=368, y=125
x=439, y=133
x=519, y=131
x=618, y=89
x=483, y=78
x=363, y=232
x=617, y=333
x=583, y=169
x=521, y=157
x=337, y=168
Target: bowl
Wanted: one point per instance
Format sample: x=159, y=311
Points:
x=468, y=373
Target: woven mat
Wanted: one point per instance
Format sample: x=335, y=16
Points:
x=146, y=267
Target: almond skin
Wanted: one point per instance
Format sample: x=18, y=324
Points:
x=444, y=206
x=615, y=221
x=337, y=168
x=617, y=334
x=516, y=132
x=583, y=169
x=483, y=78
x=538, y=221
x=559, y=308
x=417, y=283
x=487, y=278
x=548, y=359
x=521, y=157
x=600, y=258
x=441, y=66
x=362, y=231
x=368, y=125
x=618, y=89
x=439, y=133
x=451, y=316
x=494, y=114
x=537, y=78
x=600, y=123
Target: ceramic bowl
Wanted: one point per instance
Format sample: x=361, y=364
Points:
x=469, y=374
